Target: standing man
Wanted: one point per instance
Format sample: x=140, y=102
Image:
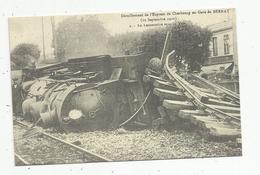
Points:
x=17, y=97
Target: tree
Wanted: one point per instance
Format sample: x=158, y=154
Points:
x=190, y=42
x=80, y=37
x=121, y=43
x=24, y=55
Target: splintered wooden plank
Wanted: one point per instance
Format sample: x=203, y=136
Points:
x=177, y=105
x=186, y=114
x=152, y=78
x=210, y=95
x=201, y=121
x=165, y=85
x=226, y=109
x=205, y=90
x=234, y=115
x=215, y=127
x=225, y=132
x=210, y=125
x=221, y=124
x=150, y=71
x=221, y=103
x=171, y=95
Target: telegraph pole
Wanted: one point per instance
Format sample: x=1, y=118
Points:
x=54, y=37
x=43, y=43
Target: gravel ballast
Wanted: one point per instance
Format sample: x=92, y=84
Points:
x=122, y=145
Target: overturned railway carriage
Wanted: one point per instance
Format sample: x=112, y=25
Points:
x=88, y=93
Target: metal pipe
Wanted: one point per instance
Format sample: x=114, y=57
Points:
x=137, y=111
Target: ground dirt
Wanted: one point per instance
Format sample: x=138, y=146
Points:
x=121, y=145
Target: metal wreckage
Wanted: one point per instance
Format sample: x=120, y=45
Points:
x=99, y=92
x=87, y=93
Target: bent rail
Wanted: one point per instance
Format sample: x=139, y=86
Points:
x=196, y=97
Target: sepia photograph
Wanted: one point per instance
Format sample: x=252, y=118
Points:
x=113, y=87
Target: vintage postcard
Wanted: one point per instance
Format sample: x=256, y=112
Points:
x=125, y=87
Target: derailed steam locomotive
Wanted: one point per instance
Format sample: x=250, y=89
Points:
x=89, y=93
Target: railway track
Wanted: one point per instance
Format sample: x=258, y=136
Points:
x=212, y=108
x=41, y=148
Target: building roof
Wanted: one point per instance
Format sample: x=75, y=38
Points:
x=215, y=68
x=225, y=25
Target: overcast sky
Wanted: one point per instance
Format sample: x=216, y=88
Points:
x=29, y=29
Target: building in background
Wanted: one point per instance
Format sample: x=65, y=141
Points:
x=223, y=45
x=221, y=67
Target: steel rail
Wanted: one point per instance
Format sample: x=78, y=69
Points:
x=222, y=89
x=101, y=158
x=24, y=162
x=174, y=75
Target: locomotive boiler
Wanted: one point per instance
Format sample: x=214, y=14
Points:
x=84, y=94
